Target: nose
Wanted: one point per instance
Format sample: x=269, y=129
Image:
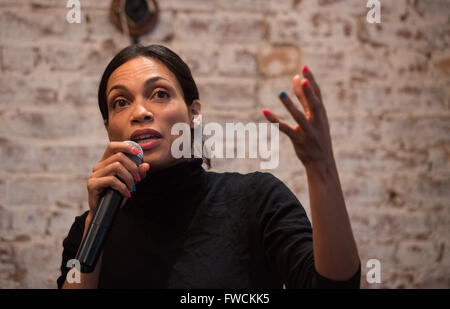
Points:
x=141, y=112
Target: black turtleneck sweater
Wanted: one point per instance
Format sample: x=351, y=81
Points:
x=185, y=227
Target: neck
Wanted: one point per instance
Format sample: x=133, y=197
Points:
x=183, y=175
x=172, y=163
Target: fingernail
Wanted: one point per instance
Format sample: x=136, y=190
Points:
x=129, y=194
x=305, y=69
x=138, y=178
x=283, y=95
x=134, y=188
x=135, y=150
x=265, y=112
x=305, y=83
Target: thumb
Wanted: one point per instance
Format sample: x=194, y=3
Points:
x=143, y=169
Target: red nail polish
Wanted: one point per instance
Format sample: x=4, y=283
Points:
x=138, y=178
x=305, y=83
x=129, y=194
x=305, y=69
x=265, y=112
x=135, y=150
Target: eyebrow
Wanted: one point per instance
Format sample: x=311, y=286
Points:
x=147, y=83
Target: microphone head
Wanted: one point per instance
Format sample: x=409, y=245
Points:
x=135, y=158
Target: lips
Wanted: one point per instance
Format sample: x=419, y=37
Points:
x=146, y=138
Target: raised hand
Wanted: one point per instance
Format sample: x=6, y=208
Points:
x=311, y=136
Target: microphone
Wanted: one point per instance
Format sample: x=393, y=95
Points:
x=107, y=207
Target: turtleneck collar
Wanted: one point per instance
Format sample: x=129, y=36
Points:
x=172, y=180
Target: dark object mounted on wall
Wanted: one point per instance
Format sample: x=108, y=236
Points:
x=134, y=17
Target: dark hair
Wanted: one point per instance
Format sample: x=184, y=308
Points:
x=167, y=57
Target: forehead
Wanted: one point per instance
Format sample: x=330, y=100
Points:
x=139, y=70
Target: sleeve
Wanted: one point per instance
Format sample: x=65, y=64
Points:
x=286, y=235
x=70, y=246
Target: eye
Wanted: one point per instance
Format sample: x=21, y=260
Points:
x=120, y=103
x=160, y=94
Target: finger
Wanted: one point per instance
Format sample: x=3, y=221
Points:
x=308, y=75
x=295, y=112
x=297, y=86
x=311, y=99
x=116, y=169
x=124, y=160
x=283, y=126
x=115, y=147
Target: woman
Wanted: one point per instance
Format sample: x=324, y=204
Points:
x=184, y=227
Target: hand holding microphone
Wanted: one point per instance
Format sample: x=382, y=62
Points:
x=109, y=186
x=113, y=167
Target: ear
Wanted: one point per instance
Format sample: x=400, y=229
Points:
x=194, y=109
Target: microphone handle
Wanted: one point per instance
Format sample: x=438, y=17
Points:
x=99, y=227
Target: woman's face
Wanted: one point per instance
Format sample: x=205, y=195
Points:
x=144, y=95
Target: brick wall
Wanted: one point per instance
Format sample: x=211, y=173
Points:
x=386, y=88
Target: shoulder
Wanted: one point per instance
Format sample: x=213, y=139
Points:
x=70, y=245
x=80, y=220
x=76, y=231
x=255, y=184
x=251, y=180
